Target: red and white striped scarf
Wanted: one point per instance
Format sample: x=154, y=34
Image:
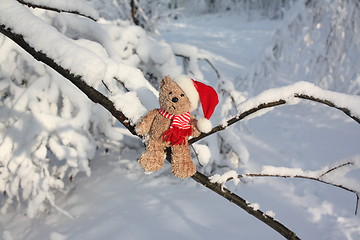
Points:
x=179, y=128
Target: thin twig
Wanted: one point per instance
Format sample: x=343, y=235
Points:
x=212, y=66
x=294, y=176
x=329, y=103
x=206, y=60
x=334, y=168
x=318, y=179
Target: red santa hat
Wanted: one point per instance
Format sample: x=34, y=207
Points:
x=196, y=91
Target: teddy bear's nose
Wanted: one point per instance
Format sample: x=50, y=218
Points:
x=174, y=99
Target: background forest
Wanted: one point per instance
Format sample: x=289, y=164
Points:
x=285, y=71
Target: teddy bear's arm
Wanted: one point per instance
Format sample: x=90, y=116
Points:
x=195, y=130
x=143, y=127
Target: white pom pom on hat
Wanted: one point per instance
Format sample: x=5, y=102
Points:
x=204, y=125
x=196, y=91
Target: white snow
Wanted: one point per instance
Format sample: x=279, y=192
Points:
x=288, y=93
x=203, y=153
x=254, y=206
x=46, y=142
x=57, y=236
x=270, y=214
x=130, y=105
x=223, y=178
x=283, y=171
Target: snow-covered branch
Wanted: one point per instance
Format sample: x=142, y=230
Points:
x=267, y=100
x=77, y=80
x=333, y=175
x=75, y=7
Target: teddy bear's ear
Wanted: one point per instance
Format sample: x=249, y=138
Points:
x=166, y=80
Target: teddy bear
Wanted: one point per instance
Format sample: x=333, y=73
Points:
x=171, y=124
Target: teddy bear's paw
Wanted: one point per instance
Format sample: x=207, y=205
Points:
x=184, y=169
x=141, y=130
x=151, y=164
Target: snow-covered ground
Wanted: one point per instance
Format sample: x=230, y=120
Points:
x=118, y=201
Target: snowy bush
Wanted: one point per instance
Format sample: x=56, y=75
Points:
x=47, y=131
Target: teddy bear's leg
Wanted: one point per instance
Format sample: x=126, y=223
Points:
x=153, y=158
x=182, y=165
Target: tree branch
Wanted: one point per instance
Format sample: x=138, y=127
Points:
x=240, y=202
x=329, y=103
x=99, y=98
x=212, y=66
x=305, y=177
x=34, y=5
x=315, y=177
x=295, y=176
x=238, y=118
x=270, y=105
x=335, y=168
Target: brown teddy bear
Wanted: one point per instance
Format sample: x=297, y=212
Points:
x=171, y=125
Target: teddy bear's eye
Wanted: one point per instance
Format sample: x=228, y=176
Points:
x=170, y=93
x=182, y=95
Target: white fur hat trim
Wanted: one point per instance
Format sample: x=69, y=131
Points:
x=187, y=85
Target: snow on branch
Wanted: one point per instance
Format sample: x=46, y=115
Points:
x=334, y=175
x=267, y=100
x=78, y=7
